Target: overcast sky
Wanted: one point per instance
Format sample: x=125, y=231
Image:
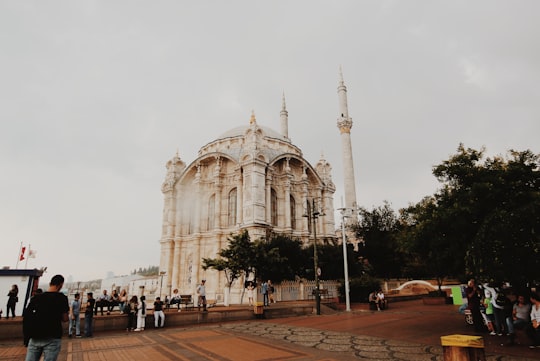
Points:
x=96, y=96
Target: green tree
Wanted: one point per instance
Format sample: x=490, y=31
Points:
x=483, y=221
x=236, y=260
x=378, y=229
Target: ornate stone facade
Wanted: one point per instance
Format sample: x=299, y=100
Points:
x=250, y=178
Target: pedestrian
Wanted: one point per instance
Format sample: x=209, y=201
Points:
x=264, y=291
x=158, y=313
x=133, y=306
x=43, y=322
x=13, y=298
x=250, y=293
x=533, y=328
x=271, y=290
x=141, y=315
x=122, y=300
x=473, y=302
x=75, y=317
x=201, y=293
x=89, y=315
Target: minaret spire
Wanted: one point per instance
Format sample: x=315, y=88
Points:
x=284, y=116
x=344, y=123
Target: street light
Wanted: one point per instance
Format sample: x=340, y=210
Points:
x=312, y=214
x=345, y=213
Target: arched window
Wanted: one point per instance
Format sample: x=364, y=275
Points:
x=274, y=208
x=232, y=208
x=211, y=212
x=293, y=213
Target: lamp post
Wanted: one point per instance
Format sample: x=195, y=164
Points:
x=312, y=214
x=345, y=213
x=162, y=273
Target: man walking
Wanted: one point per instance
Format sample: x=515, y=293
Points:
x=43, y=322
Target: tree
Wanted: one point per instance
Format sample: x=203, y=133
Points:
x=378, y=229
x=279, y=258
x=483, y=221
x=236, y=260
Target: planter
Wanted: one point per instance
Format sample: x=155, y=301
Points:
x=434, y=300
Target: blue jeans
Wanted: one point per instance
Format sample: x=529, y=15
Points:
x=88, y=332
x=48, y=347
x=76, y=320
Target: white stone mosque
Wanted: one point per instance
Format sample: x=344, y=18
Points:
x=250, y=178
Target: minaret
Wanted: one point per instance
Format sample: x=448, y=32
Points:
x=284, y=116
x=344, y=124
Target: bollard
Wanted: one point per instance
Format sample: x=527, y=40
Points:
x=258, y=309
x=463, y=348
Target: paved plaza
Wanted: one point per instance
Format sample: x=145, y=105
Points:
x=407, y=331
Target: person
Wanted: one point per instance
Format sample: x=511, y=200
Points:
x=115, y=301
x=75, y=317
x=250, y=293
x=373, y=300
x=89, y=315
x=175, y=298
x=533, y=328
x=271, y=290
x=132, y=313
x=141, y=315
x=122, y=300
x=13, y=298
x=497, y=294
x=521, y=317
x=382, y=300
x=201, y=292
x=488, y=313
x=264, y=291
x=473, y=301
x=158, y=313
x=103, y=301
x=48, y=310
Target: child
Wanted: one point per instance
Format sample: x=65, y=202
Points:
x=488, y=316
x=141, y=315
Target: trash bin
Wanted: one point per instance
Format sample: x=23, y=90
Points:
x=258, y=309
x=463, y=348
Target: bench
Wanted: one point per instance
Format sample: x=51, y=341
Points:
x=323, y=292
x=187, y=301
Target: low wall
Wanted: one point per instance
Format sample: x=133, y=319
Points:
x=12, y=329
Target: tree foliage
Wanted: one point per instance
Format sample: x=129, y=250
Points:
x=379, y=228
x=235, y=260
x=483, y=221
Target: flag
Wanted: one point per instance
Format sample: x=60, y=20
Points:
x=21, y=257
x=32, y=253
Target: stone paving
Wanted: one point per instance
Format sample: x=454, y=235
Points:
x=409, y=331
x=358, y=346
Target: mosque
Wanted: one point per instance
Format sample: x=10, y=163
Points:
x=250, y=178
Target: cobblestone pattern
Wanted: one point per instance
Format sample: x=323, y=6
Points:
x=361, y=347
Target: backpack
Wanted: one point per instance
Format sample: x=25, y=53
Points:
x=127, y=308
x=34, y=317
x=500, y=299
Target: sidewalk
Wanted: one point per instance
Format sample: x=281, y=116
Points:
x=407, y=331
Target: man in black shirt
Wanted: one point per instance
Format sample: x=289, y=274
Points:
x=43, y=322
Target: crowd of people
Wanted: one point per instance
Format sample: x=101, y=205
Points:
x=501, y=311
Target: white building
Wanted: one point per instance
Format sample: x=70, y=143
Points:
x=250, y=178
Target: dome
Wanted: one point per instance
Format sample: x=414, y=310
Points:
x=241, y=130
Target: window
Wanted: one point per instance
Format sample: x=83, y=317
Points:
x=273, y=208
x=232, y=208
x=293, y=213
x=211, y=212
